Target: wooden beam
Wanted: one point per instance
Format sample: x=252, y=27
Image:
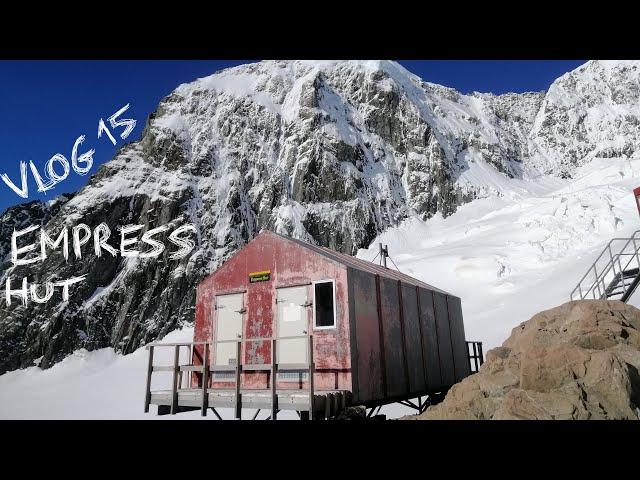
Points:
x=328, y=404
x=174, y=387
x=191, y=368
x=292, y=366
x=238, y=402
x=147, y=399
x=274, y=377
x=311, y=371
x=336, y=403
x=205, y=380
x=256, y=367
x=163, y=368
x=222, y=368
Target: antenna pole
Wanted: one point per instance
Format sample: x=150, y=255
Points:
x=384, y=253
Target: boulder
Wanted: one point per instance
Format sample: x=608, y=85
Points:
x=577, y=361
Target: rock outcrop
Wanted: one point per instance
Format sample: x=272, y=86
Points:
x=576, y=361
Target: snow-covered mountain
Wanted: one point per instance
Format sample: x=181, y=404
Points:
x=333, y=152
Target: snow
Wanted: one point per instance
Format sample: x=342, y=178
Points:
x=518, y=249
x=507, y=257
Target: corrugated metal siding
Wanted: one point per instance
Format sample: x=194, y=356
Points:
x=447, y=369
x=397, y=337
x=393, y=339
x=290, y=265
x=367, y=334
x=412, y=339
x=430, y=339
x=462, y=367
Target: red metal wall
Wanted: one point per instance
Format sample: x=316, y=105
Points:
x=290, y=264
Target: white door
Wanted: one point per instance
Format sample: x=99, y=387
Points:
x=228, y=327
x=292, y=321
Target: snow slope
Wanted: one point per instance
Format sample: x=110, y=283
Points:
x=507, y=257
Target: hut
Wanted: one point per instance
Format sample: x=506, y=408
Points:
x=344, y=331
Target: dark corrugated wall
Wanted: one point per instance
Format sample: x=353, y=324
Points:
x=408, y=340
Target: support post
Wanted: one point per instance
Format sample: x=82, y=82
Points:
x=328, y=404
x=215, y=412
x=274, y=376
x=238, y=402
x=205, y=380
x=174, y=387
x=147, y=399
x=311, y=372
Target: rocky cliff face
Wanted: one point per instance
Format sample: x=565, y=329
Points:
x=577, y=361
x=329, y=152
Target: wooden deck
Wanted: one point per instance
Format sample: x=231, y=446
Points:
x=309, y=403
x=326, y=404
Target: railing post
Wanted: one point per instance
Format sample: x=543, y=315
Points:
x=190, y=374
x=274, y=376
x=205, y=380
x=147, y=398
x=622, y=279
x=238, y=401
x=476, y=356
x=311, y=372
x=174, y=388
x=611, y=260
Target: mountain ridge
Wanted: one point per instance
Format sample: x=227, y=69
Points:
x=329, y=152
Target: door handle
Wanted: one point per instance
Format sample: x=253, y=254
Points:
x=306, y=304
x=242, y=310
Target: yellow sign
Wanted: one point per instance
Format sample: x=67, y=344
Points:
x=262, y=276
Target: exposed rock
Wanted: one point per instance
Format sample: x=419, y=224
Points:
x=576, y=361
x=332, y=152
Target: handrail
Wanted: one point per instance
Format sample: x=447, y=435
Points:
x=599, y=277
x=608, y=247
x=206, y=369
x=243, y=340
x=476, y=356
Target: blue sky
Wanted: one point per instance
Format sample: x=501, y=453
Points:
x=47, y=105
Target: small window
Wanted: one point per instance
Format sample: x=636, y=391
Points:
x=324, y=312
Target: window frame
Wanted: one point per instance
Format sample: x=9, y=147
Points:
x=335, y=316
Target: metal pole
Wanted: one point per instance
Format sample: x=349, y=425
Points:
x=147, y=399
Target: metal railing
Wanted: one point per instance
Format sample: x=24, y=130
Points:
x=609, y=271
x=206, y=369
x=476, y=358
